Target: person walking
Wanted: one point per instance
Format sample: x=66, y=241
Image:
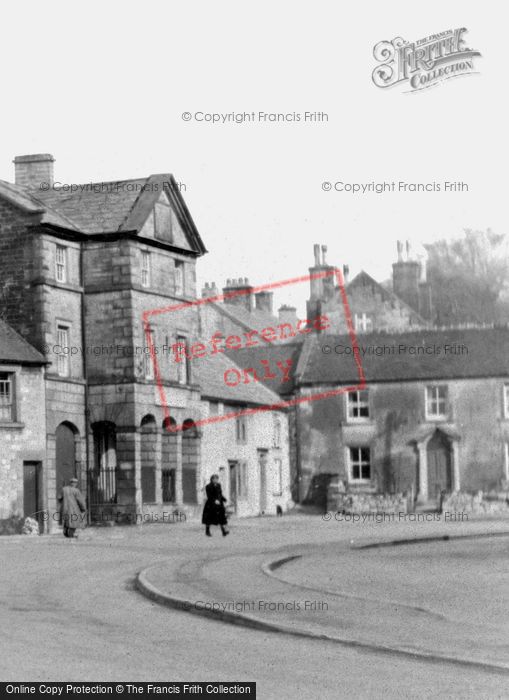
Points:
x=72, y=508
x=214, y=512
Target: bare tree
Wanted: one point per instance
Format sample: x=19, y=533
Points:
x=468, y=276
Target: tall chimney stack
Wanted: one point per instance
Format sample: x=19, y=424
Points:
x=264, y=300
x=33, y=170
x=245, y=296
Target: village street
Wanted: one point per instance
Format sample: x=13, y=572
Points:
x=71, y=611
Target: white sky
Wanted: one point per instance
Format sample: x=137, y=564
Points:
x=102, y=86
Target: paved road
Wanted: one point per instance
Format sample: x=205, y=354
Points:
x=69, y=611
x=396, y=598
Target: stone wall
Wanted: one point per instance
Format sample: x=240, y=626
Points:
x=461, y=502
x=338, y=500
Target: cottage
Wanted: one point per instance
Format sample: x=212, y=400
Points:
x=23, y=472
x=421, y=422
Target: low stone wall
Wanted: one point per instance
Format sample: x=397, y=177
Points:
x=478, y=503
x=342, y=499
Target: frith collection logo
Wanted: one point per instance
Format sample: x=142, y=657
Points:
x=424, y=63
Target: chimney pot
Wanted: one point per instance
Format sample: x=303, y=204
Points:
x=316, y=251
x=324, y=255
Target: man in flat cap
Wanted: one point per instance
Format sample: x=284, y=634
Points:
x=72, y=508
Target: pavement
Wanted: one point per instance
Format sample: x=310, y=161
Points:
x=70, y=611
x=438, y=592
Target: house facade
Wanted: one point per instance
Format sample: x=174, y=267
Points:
x=80, y=270
x=432, y=414
x=23, y=473
x=250, y=450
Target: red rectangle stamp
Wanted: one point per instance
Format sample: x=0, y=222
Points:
x=218, y=347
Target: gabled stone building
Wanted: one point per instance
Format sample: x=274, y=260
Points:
x=374, y=307
x=79, y=267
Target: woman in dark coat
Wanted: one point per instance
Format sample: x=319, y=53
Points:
x=214, y=512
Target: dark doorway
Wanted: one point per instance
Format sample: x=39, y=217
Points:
x=262, y=461
x=148, y=447
x=190, y=461
x=65, y=456
x=169, y=459
x=439, y=465
x=32, y=491
x=233, y=467
x=103, y=477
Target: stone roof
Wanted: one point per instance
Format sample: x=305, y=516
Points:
x=24, y=199
x=94, y=210
x=16, y=350
x=249, y=320
x=104, y=207
x=255, y=320
x=417, y=355
x=210, y=376
x=273, y=353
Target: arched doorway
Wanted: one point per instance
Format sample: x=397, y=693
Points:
x=439, y=465
x=65, y=455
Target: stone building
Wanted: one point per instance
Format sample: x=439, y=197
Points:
x=23, y=477
x=432, y=414
x=249, y=451
x=374, y=307
x=80, y=268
